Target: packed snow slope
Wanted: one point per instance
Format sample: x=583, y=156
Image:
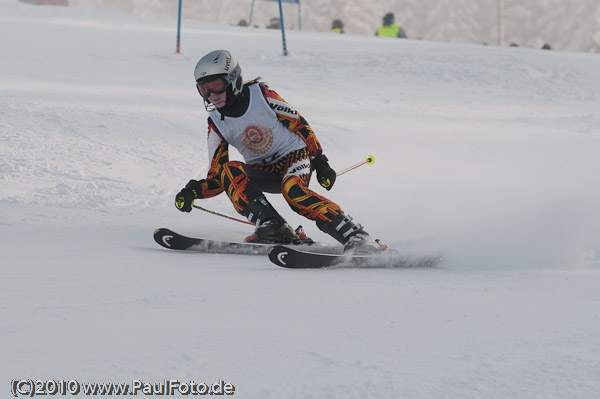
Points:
x=486, y=155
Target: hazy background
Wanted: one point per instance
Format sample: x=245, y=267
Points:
x=564, y=24
x=486, y=154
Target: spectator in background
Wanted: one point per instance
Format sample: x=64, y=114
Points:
x=390, y=28
x=337, y=26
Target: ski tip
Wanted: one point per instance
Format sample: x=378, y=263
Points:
x=278, y=254
x=293, y=258
x=163, y=237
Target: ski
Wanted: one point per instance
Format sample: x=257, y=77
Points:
x=302, y=256
x=292, y=258
x=171, y=240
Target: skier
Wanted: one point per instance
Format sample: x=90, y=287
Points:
x=280, y=151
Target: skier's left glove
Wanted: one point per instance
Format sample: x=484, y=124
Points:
x=184, y=200
x=325, y=175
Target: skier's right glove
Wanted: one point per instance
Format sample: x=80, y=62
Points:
x=184, y=200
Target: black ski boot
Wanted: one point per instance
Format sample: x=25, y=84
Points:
x=271, y=228
x=352, y=235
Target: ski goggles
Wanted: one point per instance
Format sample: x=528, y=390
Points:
x=212, y=86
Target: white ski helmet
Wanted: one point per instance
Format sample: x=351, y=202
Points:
x=220, y=63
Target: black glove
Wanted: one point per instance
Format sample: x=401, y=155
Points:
x=185, y=198
x=325, y=175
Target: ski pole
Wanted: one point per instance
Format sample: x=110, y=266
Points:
x=370, y=160
x=223, y=215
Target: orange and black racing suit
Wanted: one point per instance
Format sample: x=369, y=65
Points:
x=264, y=124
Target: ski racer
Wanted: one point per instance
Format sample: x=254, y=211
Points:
x=280, y=151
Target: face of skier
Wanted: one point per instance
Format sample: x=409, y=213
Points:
x=218, y=100
x=214, y=90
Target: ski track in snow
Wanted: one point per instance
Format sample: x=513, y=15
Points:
x=486, y=155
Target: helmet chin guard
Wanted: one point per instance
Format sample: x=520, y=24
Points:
x=220, y=63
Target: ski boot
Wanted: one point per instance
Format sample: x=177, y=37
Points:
x=271, y=228
x=364, y=244
x=304, y=239
x=352, y=235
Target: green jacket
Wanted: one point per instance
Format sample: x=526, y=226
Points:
x=393, y=30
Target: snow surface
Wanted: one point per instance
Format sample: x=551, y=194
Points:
x=486, y=155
